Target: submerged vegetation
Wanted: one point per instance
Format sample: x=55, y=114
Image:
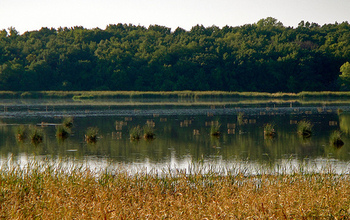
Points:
x=50, y=192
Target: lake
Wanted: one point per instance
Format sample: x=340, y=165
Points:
x=182, y=134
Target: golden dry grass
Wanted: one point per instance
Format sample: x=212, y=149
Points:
x=43, y=192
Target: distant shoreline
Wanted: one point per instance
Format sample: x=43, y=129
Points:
x=77, y=95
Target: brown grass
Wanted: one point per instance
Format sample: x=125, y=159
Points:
x=45, y=192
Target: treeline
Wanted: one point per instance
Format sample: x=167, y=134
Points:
x=265, y=56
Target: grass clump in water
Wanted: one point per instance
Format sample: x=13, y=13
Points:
x=215, y=130
x=335, y=139
x=21, y=133
x=36, y=135
x=269, y=130
x=91, y=135
x=135, y=133
x=148, y=132
x=62, y=132
x=305, y=128
x=68, y=122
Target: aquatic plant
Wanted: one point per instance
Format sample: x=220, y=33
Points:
x=240, y=118
x=91, y=135
x=135, y=133
x=335, y=139
x=68, y=122
x=215, y=130
x=148, y=132
x=21, y=133
x=62, y=132
x=36, y=135
x=304, y=128
x=269, y=130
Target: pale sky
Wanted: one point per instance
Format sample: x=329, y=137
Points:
x=28, y=15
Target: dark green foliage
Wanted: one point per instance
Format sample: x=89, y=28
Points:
x=265, y=56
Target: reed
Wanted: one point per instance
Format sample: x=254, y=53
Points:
x=48, y=192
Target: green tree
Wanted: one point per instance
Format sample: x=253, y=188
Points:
x=345, y=76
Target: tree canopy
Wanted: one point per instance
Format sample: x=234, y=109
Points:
x=264, y=56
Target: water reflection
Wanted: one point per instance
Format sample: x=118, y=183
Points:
x=182, y=136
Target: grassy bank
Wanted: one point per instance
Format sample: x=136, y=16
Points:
x=172, y=94
x=48, y=192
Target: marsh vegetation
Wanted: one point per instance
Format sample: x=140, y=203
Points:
x=48, y=191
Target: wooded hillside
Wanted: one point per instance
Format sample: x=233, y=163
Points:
x=264, y=56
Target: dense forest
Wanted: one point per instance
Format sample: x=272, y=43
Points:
x=264, y=56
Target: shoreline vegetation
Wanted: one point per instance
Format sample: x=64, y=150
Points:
x=50, y=191
x=196, y=95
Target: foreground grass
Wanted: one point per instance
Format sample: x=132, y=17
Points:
x=45, y=192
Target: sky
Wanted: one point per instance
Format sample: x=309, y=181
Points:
x=29, y=15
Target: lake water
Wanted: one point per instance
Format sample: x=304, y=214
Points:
x=182, y=134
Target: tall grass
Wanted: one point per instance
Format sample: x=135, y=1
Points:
x=49, y=192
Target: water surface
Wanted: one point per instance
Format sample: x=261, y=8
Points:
x=182, y=129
